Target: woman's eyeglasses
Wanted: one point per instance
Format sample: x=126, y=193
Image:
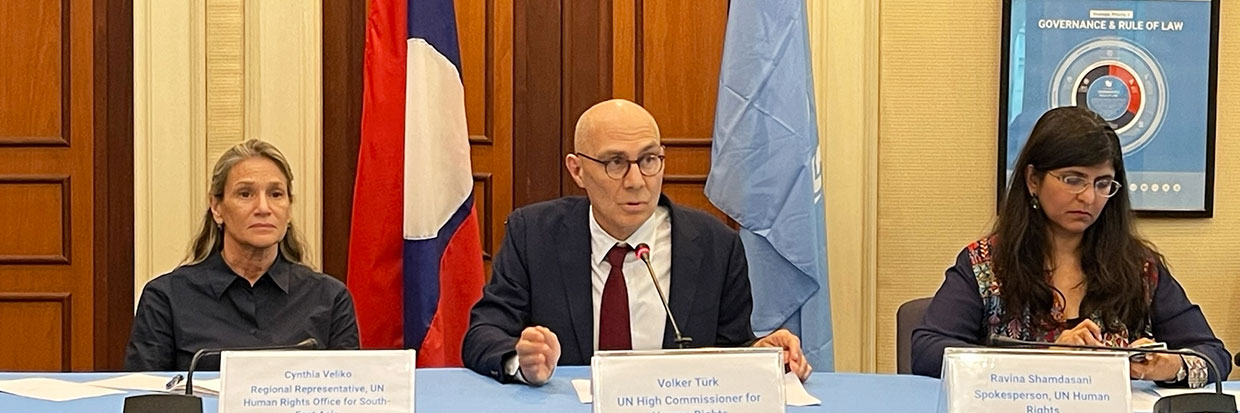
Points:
x=1105, y=187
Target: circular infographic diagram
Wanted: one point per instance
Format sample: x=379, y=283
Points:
x=1120, y=81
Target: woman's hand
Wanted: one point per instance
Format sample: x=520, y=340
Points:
x=1086, y=333
x=1160, y=367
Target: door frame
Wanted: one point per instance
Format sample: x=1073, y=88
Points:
x=113, y=213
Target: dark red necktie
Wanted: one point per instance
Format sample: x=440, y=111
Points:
x=613, y=314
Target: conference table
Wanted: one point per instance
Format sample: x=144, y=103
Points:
x=461, y=390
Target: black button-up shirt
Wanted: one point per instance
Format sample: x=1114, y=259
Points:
x=207, y=305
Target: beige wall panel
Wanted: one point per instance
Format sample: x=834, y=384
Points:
x=283, y=103
x=169, y=133
x=844, y=47
x=936, y=158
x=208, y=74
x=225, y=66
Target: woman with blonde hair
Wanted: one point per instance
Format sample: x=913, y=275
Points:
x=245, y=282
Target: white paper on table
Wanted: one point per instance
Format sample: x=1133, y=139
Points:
x=210, y=387
x=582, y=386
x=1166, y=391
x=52, y=389
x=794, y=392
x=134, y=381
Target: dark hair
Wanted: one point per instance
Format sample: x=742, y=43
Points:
x=1113, y=256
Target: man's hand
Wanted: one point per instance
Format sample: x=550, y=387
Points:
x=792, y=351
x=538, y=351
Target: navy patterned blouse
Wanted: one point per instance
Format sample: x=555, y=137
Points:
x=968, y=308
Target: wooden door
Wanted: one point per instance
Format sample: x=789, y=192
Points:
x=65, y=278
x=530, y=68
x=485, y=32
x=570, y=55
x=665, y=56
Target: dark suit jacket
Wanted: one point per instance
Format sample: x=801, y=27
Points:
x=541, y=276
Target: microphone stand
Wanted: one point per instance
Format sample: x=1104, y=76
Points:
x=643, y=253
x=1217, y=402
x=188, y=402
x=307, y=344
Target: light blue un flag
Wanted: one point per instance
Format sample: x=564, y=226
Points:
x=765, y=171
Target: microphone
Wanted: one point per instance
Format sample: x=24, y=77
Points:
x=307, y=344
x=643, y=253
x=1180, y=403
x=188, y=402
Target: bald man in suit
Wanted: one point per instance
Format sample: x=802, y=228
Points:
x=566, y=283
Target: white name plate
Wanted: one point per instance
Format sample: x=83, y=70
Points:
x=1035, y=381
x=694, y=380
x=317, y=381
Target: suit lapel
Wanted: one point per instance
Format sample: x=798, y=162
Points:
x=685, y=261
x=574, y=262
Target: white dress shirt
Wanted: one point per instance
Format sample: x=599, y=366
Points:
x=647, y=318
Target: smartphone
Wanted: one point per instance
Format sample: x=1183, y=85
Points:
x=1139, y=357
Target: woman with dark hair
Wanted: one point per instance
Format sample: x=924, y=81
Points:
x=1064, y=264
x=245, y=282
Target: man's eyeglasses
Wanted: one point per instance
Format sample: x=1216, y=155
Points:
x=618, y=166
x=1105, y=187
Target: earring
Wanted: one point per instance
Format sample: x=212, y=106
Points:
x=1034, y=201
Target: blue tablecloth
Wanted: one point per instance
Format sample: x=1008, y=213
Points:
x=460, y=390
